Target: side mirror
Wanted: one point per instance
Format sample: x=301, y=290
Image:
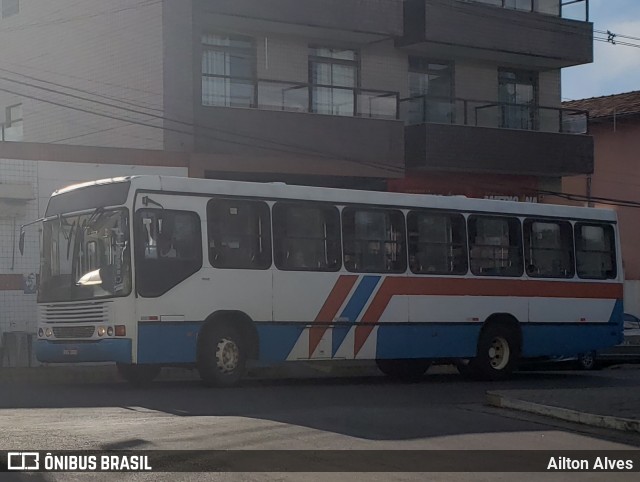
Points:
x=21, y=243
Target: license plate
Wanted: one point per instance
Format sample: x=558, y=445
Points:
x=70, y=352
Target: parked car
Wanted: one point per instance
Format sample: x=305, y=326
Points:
x=626, y=352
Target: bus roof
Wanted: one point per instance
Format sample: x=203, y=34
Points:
x=278, y=190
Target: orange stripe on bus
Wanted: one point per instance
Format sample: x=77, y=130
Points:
x=395, y=286
x=328, y=312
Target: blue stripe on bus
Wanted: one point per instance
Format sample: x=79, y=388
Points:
x=277, y=341
x=431, y=340
x=353, y=309
x=108, y=350
x=167, y=342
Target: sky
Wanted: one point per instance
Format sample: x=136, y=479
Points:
x=616, y=68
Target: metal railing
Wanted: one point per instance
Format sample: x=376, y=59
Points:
x=572, y=9
x=443, y=110
x=300, y=97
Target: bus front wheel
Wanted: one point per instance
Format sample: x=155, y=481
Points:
x=221, y=355
x=405, y=370
x=138, y=375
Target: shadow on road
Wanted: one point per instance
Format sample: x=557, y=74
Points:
x=372, y=408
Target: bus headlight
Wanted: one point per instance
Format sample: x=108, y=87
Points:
x=110, y=331
x=48, y=332
x=101, y=330
x=40, y=333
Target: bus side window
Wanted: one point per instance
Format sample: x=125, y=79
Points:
x=548, y=247
x=306, y=236
x=239, y=234
x=437, y=243
x=495, y=246
x=169, y=249
x=595, y=251
x=374, y=240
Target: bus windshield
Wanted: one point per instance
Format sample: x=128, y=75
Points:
x=86, y=256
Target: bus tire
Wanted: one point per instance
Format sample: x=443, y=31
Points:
x=138, y=375
x=222, y=355
x=498, y=352
x=587, y=361
x=405, y=370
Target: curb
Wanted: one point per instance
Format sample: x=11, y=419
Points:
x=496, y=399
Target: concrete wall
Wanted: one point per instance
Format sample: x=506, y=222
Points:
x=109, y=52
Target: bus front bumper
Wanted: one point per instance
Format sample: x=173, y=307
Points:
x=111, y=350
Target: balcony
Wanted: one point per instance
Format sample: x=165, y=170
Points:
x=489, y=136
x=363, y=20
x=537, y=34
x=299, y=128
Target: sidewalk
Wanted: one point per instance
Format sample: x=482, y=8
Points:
x=606, y=407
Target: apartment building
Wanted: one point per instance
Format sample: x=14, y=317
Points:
x=328, y=92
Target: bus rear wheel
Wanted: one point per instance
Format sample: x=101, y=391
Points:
x=222, y=356
x=497, y=354
x=138, y=375
x=405, y=370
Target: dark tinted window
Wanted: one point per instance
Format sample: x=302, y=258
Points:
x=495, y=246
x=90, y=197
x=306, y=237
x=168, y=249
x=437, y=243
x=374, y=240
x=548, y=248
x=239, y=234
x=595, y=251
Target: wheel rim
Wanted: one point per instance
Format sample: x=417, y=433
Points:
x=499, y=353
x=587, y=360
x=227, y=355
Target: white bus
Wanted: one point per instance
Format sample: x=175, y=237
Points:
x=151, y=271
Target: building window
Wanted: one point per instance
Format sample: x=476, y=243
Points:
x=548, y=249
x=228, y=71
x=12, y=130
x=333, y=75
x=306, y=237
x=518, y=96
x=374, y=240
x=10, y=7
x=239, y=234
x=437, y=243
x=495, y=246
x=430, y=91
x=595, y=251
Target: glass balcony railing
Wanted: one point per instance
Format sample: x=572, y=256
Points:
x=428, y=109
x=300, y=97
x=571, y=9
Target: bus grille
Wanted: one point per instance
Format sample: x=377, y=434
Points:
x=73, y=331
x=86, y=312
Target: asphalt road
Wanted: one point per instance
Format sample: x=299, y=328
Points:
x=441, y=412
